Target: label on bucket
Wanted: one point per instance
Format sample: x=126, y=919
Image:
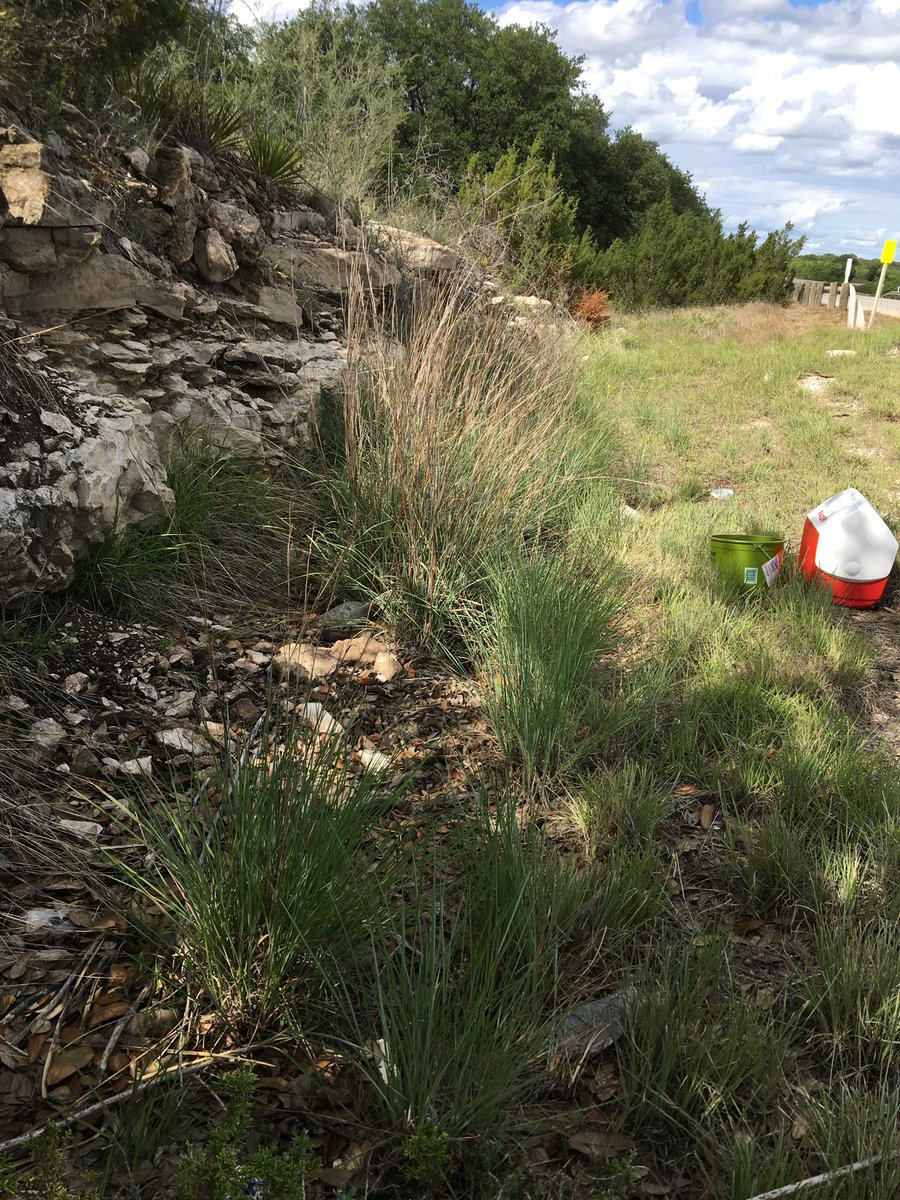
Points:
x=771, y=568
x=751, y=574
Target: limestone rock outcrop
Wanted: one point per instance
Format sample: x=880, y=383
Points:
x=162, y=298
x=69, y=474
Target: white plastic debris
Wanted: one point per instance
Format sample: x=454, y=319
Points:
x=722, y=493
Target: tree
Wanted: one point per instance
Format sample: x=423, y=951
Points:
x=73, y=41
x=534, y=221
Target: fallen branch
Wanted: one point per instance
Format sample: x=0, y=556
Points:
x=802, y=1185
x=120, y=1026
x=119, y=1098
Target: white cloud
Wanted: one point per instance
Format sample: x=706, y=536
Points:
x=756, y=143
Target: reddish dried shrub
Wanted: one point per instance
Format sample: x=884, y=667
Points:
x=593, y=307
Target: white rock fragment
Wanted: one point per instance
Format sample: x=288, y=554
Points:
x=300, y=660
x=138, y=766
x=363, y=649
x=319, y=719
x=85, y=829
x=372, y=759
x=47, y=733
x=183, y=741
x=387, y=666
x=45, y=920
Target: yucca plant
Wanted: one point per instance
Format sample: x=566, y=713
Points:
x=274, y=155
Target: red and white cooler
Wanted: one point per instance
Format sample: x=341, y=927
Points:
x=849, y=548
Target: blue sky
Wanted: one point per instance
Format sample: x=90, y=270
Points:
x=782, y=110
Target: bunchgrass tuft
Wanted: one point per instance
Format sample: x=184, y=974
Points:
x=264, y=872
x=458, y=446
x=225, y=542
x=619, y=805
x=697, y=1047
x=456, y=1015
x=550, y=617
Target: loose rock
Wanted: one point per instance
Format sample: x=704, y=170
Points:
x=299, y=660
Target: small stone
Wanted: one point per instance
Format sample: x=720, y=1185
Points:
x=137, y=766
x=387, y=666
x=344, y=616
x=179, y=705
x=85, y=829
x=363, y=649
x=316, y=716
x=215, y=259
x=183, y=741
x=47, y=733
x=372, y=759
x=73, y=684
x=139, y=159
x=84, y=763
x=303, y=661
x=58, y=423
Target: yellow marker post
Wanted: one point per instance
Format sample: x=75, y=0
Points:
x=887, y=257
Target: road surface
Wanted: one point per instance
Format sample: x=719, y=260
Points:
x=886, y=308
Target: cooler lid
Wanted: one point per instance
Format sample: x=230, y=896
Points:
x=854, y=543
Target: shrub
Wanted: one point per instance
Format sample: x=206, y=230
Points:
x=76, y=40
x=225, y=1168
x=523, y=222
x=593, y=307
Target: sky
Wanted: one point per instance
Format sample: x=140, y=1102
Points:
x=781, y=110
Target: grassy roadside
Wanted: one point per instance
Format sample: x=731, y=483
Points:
x=764, y=1048
x=693, y=824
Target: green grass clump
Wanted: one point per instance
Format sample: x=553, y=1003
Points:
x=698, y=1049
x=464, y=990
x=225, y=540
x=264, y=873
x=620, y=805
x=549, y=619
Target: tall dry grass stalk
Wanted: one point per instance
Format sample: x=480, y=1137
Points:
x=459, y=442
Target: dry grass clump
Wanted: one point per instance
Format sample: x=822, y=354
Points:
x=458, y=443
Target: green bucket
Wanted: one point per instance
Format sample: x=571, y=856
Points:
x=750, y=560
